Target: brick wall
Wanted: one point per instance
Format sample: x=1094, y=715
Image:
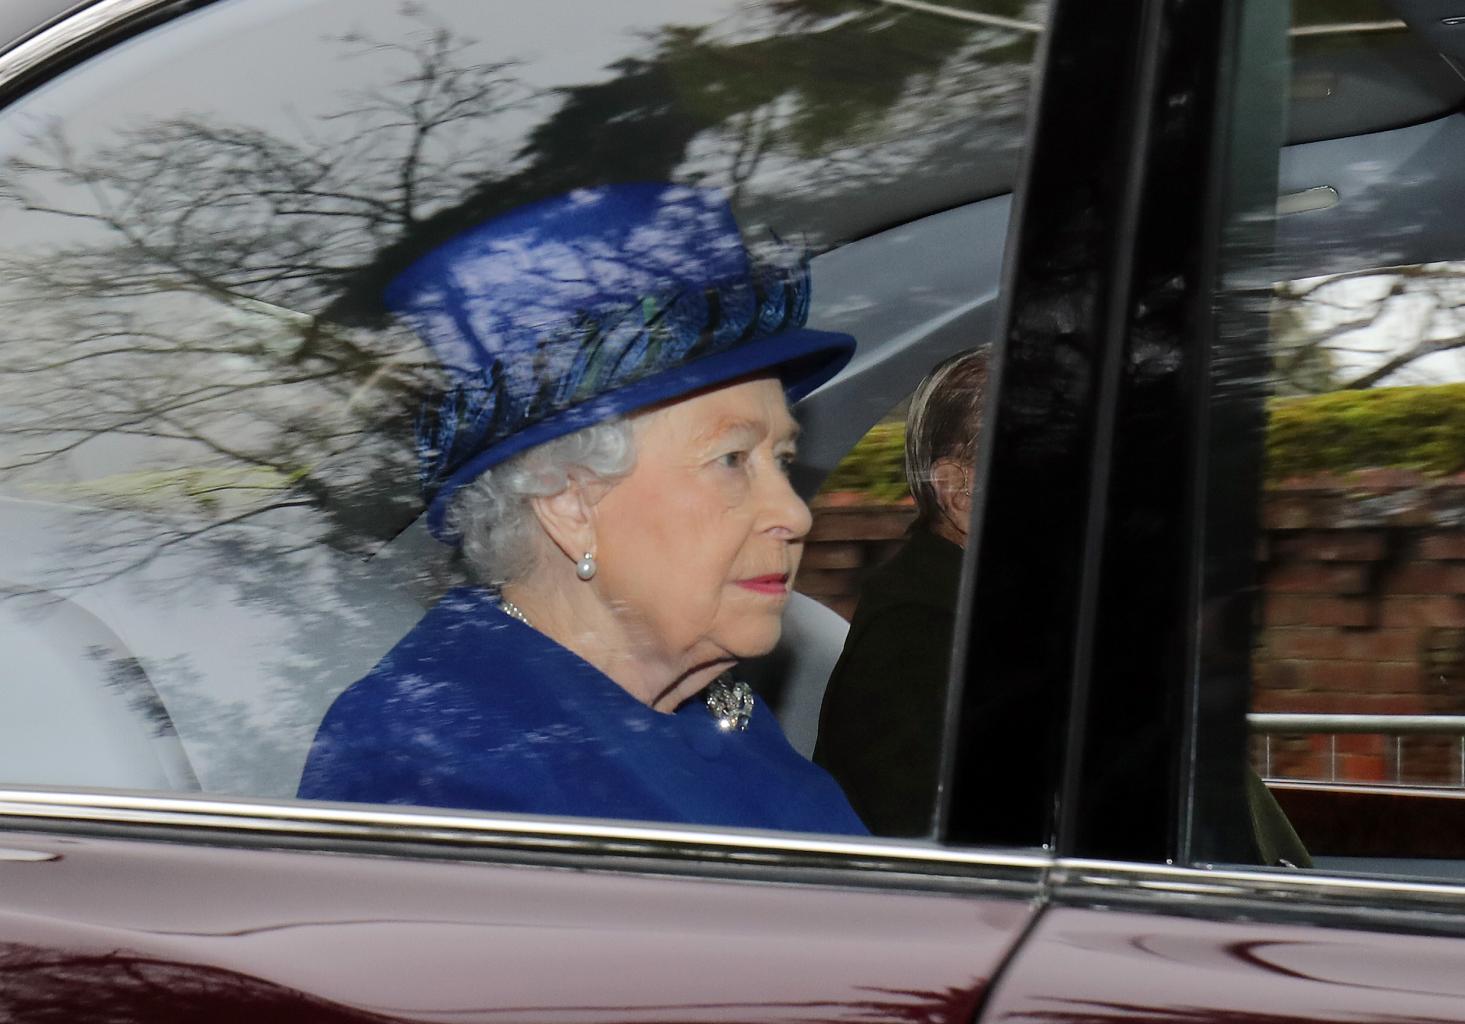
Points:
x=848, y=535
x=1362, y=612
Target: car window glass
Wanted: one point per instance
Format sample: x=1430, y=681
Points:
x=212, y=422
x=885, y=553
x=1344, y=513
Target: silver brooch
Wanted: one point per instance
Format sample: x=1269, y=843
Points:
x=731, y=703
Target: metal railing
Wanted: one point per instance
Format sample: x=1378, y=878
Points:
x=1397, y=727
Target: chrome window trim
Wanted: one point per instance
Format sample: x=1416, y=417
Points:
x=72, y=32
x=401, y=825
x=1101, y=880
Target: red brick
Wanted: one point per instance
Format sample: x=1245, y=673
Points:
x=1429, y=759
x=1396, y=677
x=1423, y=610
x=1285, y=610
x=1383, y=479
x=1327, y=482
x=1329, y=546
x=1278, y=675
x=1426, y=578
x=1317, y=702
x=1317, y=610
x=1316, y=578
x=1341, y=611
x=1280, y=642
x=1362, y=744
x=1444, y=545
x=1337, y=676
x=883, y=523
x=1379, y=704
x=1298, y=757
x=1302, y=642
x=1361, y=768
x=1274, y=702
x=1381, y=644
x=833, y=556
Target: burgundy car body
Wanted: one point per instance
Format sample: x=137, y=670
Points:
x=127, y=930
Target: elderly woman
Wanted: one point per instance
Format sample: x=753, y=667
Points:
x=613, y=459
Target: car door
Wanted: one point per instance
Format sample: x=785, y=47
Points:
x=1219, y=194
x=208, y=500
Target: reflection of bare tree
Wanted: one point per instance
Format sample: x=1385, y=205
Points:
x=1368, y=327
x=158, y=312
x=124, y=987
x=120, y=987
x=238, y=212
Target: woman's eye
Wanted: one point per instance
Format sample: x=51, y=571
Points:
x=786, y=462
x=734, y=460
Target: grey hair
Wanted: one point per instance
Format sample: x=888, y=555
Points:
x=943, y=422
x=493, y=514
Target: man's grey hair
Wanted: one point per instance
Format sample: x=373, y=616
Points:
x=943, y=422
x=494, y=516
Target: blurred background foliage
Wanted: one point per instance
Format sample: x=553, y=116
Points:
x=1413, y=428
x=1421, y=429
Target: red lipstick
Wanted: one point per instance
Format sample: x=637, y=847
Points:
x=774, y=583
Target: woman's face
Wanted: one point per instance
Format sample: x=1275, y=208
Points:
x=698, y=546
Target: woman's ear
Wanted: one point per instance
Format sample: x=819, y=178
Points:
x=568, y=518
x=952, y=481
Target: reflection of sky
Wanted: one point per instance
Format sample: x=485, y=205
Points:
x=218, y=53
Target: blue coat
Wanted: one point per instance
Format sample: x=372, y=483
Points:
x=475, y=710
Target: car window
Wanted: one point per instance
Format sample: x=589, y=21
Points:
x=1341, y=440
x=216, y=421
x=886, y=554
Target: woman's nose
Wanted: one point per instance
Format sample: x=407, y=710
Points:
x=788, y=515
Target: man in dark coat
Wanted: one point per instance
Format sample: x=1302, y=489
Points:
x=880, y=726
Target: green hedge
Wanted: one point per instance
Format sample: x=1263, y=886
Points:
x=1418, y=428
x=875, y=467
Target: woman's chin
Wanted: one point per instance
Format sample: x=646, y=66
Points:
x=756, y=636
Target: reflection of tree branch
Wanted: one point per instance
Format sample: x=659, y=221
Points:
x=1321, y=311
x=1427, y=347
x=142, y=552
x=754, y=135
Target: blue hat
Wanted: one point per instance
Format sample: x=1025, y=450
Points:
x=592, y=305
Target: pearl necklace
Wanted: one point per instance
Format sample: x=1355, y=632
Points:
x=513, y=612
x=728, y=700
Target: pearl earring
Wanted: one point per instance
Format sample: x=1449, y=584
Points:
x=585, y=567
